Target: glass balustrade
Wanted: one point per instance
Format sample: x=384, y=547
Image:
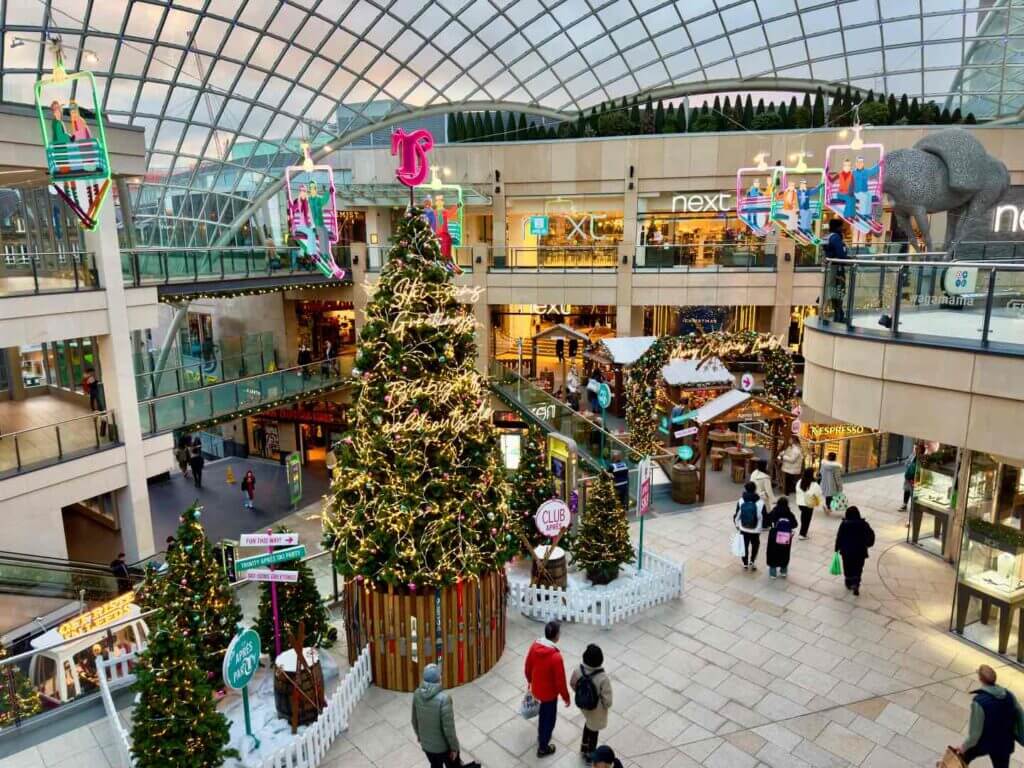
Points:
x=53, y=443
x=151, y=266
x=959, y=303
x=23, y=274
x=705, y=257
x=176, y=411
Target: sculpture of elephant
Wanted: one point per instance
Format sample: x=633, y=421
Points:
x=948, y=170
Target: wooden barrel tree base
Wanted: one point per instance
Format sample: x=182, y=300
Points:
x=460, y=627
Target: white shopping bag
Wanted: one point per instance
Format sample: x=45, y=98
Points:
x=738, y=549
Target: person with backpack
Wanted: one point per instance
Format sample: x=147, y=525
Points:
x=763, y=483
x=749, y=521
x=830, y=475
x=910, y=477
x=593, y=695
x=545, y=674
x=782, y=524
x=604, y=757
x=853, y=540
x=997, y=722
x=809, y=497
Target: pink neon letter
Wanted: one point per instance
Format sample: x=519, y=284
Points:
x=412, y=149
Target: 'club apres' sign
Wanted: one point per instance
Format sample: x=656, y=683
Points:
x=552, y=517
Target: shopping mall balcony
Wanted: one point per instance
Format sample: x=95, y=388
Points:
x=921, y=347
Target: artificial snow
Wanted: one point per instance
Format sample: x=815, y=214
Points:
x=273, y=731
x=519, y=572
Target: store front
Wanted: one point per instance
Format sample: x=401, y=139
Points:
x=682, y=321
x=933, y=503
x=990, y=572
x=512, y=322
x=696, y=230
x=570, y=232
x=798, y=314
x=308, y=428
x=326, y=322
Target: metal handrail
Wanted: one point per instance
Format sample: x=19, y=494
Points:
x=35, y=254
x=93, y=415
x=911, y=263
x=205, y=249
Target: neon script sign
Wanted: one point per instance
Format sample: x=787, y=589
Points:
x=411, y=150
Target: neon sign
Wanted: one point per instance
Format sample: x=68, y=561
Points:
x=97, y=618
x=701, y=203
x=411, y=150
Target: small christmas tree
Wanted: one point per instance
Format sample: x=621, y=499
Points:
x=299, y=601
x=193, y=594
x=602, y=541
x=175, y=723
x=26, y=698
x=532, y=484
x=419, y=497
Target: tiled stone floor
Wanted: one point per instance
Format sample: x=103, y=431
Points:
x=39, y=445
x=743, y=672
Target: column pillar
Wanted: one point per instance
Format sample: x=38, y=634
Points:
x=785, y=257
x=481, y=309
x=16, y=386
x=359, y=295
x=119, y=389
x=955, y=534
x=624, y=316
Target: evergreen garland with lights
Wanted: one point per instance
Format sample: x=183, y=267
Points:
x=298, y=601
x=175, y=723
x=27, y=700
x=193, y=594
x=532, y=484
x=645, y=375
x=419, y=497
x=602, y=541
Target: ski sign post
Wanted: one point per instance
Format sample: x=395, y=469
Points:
x=241, y=660
x=261, y=567
x=643, y=502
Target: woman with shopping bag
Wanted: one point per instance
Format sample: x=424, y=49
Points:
x=809, y=497
x=781, y=527
x=853, y=540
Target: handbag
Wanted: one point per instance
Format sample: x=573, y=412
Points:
x=529, y=708
x=839, y=502
x=783, y=538
x=737, y=547
x=836, y=569
x=814, y=501
x=951, y=759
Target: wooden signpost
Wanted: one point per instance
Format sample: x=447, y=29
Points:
x=254, y=570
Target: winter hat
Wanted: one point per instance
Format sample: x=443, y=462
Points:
x=603, y=754
x=432, y=674
x=593, y=657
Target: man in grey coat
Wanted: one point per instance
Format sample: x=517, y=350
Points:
x=433, y=721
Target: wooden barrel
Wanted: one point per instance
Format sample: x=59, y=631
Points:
x=555, y=573
x=684, y=483
x=310, y=683
x=461, y=627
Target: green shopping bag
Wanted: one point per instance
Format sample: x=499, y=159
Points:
x=836, y=569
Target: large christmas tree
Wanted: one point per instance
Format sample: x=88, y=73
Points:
x=532, y=484
x=175, y=723
x=419, y=497
x=26, y=701
x=299, y=601
x=193, y=593
x=602, y=541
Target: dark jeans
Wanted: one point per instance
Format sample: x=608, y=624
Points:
x=789, y=483
x=908, y=490
x=828, y=504
x=751, y=546
x=546, y=722
x=441, y=760
x=806, y=513
x=998, y=761
x=197, y=474
x=589, y=742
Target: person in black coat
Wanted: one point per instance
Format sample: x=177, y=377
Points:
x=853, y=540
x=782, y=525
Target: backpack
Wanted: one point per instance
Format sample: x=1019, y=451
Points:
x=748, y=514
x=784, y=533
x=587, y=696
x=869, y=536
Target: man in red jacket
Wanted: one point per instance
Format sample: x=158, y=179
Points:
x=545, y=672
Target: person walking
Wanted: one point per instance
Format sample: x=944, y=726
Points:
x=910, y=477
x=545, y=674
x=249, y=490
x=196, y=462
x=181, y=456
x=809, y=497
x=604, y=757
x=91, y=387
x=781, y=525
x=119, y=568
x=763, y=482
x=831, y=476
x=792, y=460
x=996, y=724
x=749, y=521
x=593, y=694
x=853, y=540
x=433, y=720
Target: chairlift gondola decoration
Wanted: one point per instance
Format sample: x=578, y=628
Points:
x=796, y=206
x=853, y=189
x=76, y=159
x=446, y=222
x=754, y=202
x=313, y=212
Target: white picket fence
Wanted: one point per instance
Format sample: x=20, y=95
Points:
x=658, y=581
x=305, y=752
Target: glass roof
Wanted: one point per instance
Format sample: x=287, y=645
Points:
x=227, y=88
